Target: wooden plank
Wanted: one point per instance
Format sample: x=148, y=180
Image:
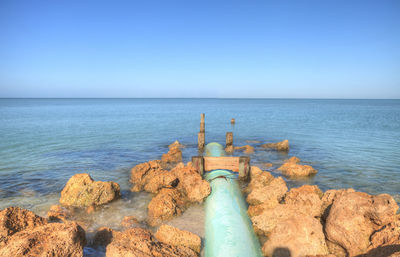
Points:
x=223, y=163
x=198, y=164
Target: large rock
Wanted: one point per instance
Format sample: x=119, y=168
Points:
x=176, y=237
x=280, y=146
x=353, y=218
x=307, y=198
x=174, y=154
x=247, y=149
x=82, y=191
x=168, y=203
x=272, y=191
x=138, y=242
x=329, y=197
x=300, y=235
x=15, y=219
x=294, y=170
x=55, y=239
x=191, y=184
x=151, y=177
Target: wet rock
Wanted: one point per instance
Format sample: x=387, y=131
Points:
x=386, y=241
x=300, y=235
x=140, y=242
x=58, y=213
x=294, y=170
x=174, y=155
x=168, y=203
x=176, y=237
x=307, y=198
x=55, y=239
x=129, y=222
x=82, y=191
x=15, y=219
x=273, y=191
x=191, y=184
x=151, y=177
x=247, y=149
x=280, y=146
x=353, y=218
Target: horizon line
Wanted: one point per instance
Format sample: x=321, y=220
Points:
x=232, y=98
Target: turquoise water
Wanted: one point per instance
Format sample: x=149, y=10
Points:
x=43, y=142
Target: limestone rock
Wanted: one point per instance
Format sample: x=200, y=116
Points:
x=129, y=221
x=386, y=241
x=82, y=191
x=258, y=179
x=353, y=218
x=168, y=203
x=191, y=184
x=280, y=146
x=329, y=197
x=255, y=210
x=247, y=149
x=174, y=155
x=138, y=242
x=295, y=170
x=55, y=239
x=274, y=191
x=15, y=219
x=306, y=197
x=58, y=213
x=300, y=235
x=176, y=237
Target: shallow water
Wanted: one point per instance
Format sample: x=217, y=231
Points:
x=43, y=142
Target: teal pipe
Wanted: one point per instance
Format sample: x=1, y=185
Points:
x=229, y=231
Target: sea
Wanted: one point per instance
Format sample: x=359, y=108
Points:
x=43, y=142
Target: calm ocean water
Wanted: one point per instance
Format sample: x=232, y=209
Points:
x=43, y=142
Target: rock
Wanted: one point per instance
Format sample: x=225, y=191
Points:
x=386, y=241
x=82, y=191
x=58, y=213
x=273, y=191
x=191, y=184
x=55, y=239
x=229, y=149
x=176, y=237
x=140, y=242
x=129, y=221
x=15, y=219
x=255, y=210
x=300, y=235
x=295, y=170
x=233, y=121
x=306, y=197
x=151, y=177
x=353, y=218
x=280, y=146
x=247, y=149
x=267, y=165
x=258, y=179
x=293, y=159
x=103, y=236
x=175, y=144
x=174, y=155
x=168, y=203
x=329, y=197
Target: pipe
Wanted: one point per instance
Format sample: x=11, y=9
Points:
x=229, y=231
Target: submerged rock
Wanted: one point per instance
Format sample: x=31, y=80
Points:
x=15, y=219
x=176, y=237
x=354, y=217
x=55, y=239
x=82, y=191
x=291, y=168
x=168, y=203
x=280, y=146
x=247, y=149
x=140, y=242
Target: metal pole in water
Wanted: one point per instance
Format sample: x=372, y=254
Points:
x=229, y=231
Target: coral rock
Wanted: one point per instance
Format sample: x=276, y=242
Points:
x=329, y=197
x=353, y=218
x=82, y=191
x=55, y=239
x=176, y=237
x=306, y=197
x=168, y=203
x=280, y=146
x=294, y=170
x=174, y=155
x=258, y=179
x=274, y=191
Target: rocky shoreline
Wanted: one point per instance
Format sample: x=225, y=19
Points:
x=302, y=221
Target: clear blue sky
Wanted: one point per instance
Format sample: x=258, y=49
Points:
x=284, y=49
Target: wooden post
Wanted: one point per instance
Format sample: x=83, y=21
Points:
x=202, y=123
x=198, y=164
x=201, y=140
x=244, y=167
x=229, y=142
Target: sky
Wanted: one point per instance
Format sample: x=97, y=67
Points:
x=226, y=49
